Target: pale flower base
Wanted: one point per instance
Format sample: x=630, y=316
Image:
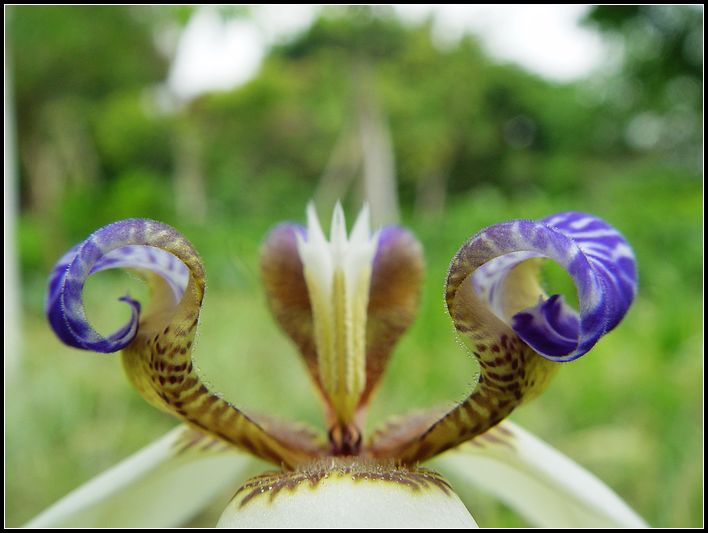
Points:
x=347, y=493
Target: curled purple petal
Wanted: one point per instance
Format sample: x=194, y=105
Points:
x=126, y=244
x=551, y=327
x=597, y=257
x=516, y=333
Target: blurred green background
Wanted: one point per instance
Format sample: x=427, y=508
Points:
x=358, y=105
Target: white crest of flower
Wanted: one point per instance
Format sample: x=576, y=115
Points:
x=338, y=276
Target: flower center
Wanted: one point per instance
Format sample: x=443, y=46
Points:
x=338, y=276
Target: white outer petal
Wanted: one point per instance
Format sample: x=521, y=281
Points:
x=542, y=484
x=342, y=502
x=154, y=487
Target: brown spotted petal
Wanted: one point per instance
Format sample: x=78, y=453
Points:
x=286, y=291
x=510, y=371
x=296, y=435
x=394, y=296
x=400, y=430
x=157, y=346
x=517, y=333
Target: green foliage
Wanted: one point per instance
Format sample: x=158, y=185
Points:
x=56, y=52
x=667, y=43
x=365, y=31
x=126, y=129
x=658, y=92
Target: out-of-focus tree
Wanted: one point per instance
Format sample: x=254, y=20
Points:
x=355, y=41
x=360, y=104
x=81, y=79
x=456, y=120
x=303, y=116
x=658, y=89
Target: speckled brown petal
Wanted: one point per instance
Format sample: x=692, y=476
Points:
x=296, y=435
x=157, y=345
x=286, y=292
x=510, y=371
x=400, y=430
x=396, y=281
x=396, y=277
x=158, y=359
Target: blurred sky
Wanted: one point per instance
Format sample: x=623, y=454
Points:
x=217, y=54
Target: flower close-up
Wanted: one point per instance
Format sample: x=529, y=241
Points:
x=345, y=301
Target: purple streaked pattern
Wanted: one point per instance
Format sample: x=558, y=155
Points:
x=130, y=243
x=597, y=257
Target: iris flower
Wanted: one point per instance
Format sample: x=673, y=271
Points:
x=344, y=302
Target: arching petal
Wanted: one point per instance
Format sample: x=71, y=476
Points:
x=157, y=347
x=536, y=480
x=515, y=331
x=162, y=485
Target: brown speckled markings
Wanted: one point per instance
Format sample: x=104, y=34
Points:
x=496, y=436
x=158, y=362
x=286, y=293
x=510, y=371
x=193, y=441
x=272, y=484
x=394, y=295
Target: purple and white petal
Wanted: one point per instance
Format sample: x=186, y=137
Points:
x=515, y=331
x=171, y=269
x=597, y=257
x=129, y=243
x=157, y=350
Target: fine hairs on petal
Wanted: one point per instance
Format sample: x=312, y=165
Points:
x=347, y=492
